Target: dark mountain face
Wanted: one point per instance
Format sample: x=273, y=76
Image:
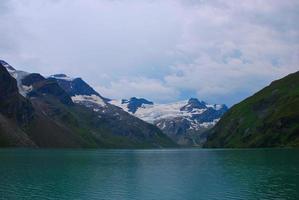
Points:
x=12, y=104
x=15, y=112
x=135, y=103
x=74, y=86
x=42, y=87
x=8, y=84
x=50, y=87
x=269, y=118
x=32, y=79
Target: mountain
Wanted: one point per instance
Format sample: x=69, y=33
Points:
x=41, y=112
x=18, y=75
x=15, y=112
x=183, y=121
x=134, y=103
x=269, y=118
x=75, y=86
x=120, y=123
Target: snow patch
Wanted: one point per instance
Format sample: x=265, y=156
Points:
x=119, y=104
x=24, y=89
x=215, y=106
x=209, y=124
x=158, y=113
x=62, y=77
x=89, y=99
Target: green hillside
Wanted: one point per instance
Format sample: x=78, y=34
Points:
x=269, y=118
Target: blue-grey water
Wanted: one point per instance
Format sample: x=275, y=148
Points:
x=181, y=174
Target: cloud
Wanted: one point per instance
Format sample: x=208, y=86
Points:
x=140, y=87
x=235, y=51
x=230, y=81
x=218, y=50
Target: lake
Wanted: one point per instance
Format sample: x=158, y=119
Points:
x=170, y=174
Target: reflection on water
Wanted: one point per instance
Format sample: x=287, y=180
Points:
x=149, y=174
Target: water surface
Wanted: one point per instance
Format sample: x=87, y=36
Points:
x=181, y=174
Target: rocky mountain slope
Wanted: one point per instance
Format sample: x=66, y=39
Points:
x=41, y=112
x=269, y=118
x=15, y=112
x=183, y=121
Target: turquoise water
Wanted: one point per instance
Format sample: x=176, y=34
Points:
x=149, y=174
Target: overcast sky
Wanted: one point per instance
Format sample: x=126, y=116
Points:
x=220, y=51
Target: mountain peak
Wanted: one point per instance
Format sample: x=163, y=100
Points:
x=193, y=100
x=144, y=101
x=134, y=103
x=76, y=86
x=194, y=103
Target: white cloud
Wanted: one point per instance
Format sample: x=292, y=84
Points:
x=222, y=50
x=229, y=82
x=151, y=89
x=234, y=50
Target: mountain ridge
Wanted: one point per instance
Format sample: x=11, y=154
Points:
x=269, y=118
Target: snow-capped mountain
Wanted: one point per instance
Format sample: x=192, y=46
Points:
x=183, y=121
x=80, y=91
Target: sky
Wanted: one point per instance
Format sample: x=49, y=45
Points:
x=220, y=51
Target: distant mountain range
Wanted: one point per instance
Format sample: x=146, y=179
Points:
x=184, y=121
x=62, y=112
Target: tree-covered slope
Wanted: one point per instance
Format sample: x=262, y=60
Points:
x=269, y=118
